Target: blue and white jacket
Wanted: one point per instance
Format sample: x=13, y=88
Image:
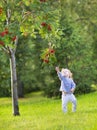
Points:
x=66, y=83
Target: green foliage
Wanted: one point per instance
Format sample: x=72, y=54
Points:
x=70, y=27
x=4, y=76
x=27, y=59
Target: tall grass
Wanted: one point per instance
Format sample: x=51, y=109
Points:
x=39, y=113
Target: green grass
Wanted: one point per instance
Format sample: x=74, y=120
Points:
x=39, y=113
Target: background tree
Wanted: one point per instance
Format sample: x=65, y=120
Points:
x=70, y=28
x=75, y=46
x=4, y=76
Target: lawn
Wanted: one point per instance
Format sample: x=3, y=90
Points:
x=40, y=113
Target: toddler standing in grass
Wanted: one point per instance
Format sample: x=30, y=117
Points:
x=67, y=88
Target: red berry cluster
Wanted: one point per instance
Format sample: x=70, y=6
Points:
x=44, y=24
x=4, y=33
x=1, y=10
x=47, y=55
x=42, y=0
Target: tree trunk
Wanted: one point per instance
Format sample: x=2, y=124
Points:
x=15, y=107
x=20, y=89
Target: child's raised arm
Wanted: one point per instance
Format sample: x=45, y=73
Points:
x=59, y=73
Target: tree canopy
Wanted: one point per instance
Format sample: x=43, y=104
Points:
x=45, y=34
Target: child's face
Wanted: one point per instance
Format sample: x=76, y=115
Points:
x=65, y=72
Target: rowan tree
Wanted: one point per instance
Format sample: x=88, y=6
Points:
x=26, y=17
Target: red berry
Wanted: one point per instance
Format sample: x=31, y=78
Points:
x=2, y=34
x=46, y=60
x=1, y=10
x=43, y=24
x=2, y=43
x=42, y=0
x=47, y=55
x=14, y=38
x=52, y=51
x=49, y=28
x=6, y=31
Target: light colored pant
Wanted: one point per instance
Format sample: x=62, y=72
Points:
x=68, y=98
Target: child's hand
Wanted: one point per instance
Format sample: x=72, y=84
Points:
x=57, y=69
x=72, y=90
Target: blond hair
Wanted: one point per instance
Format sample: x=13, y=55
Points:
x=66, y=72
